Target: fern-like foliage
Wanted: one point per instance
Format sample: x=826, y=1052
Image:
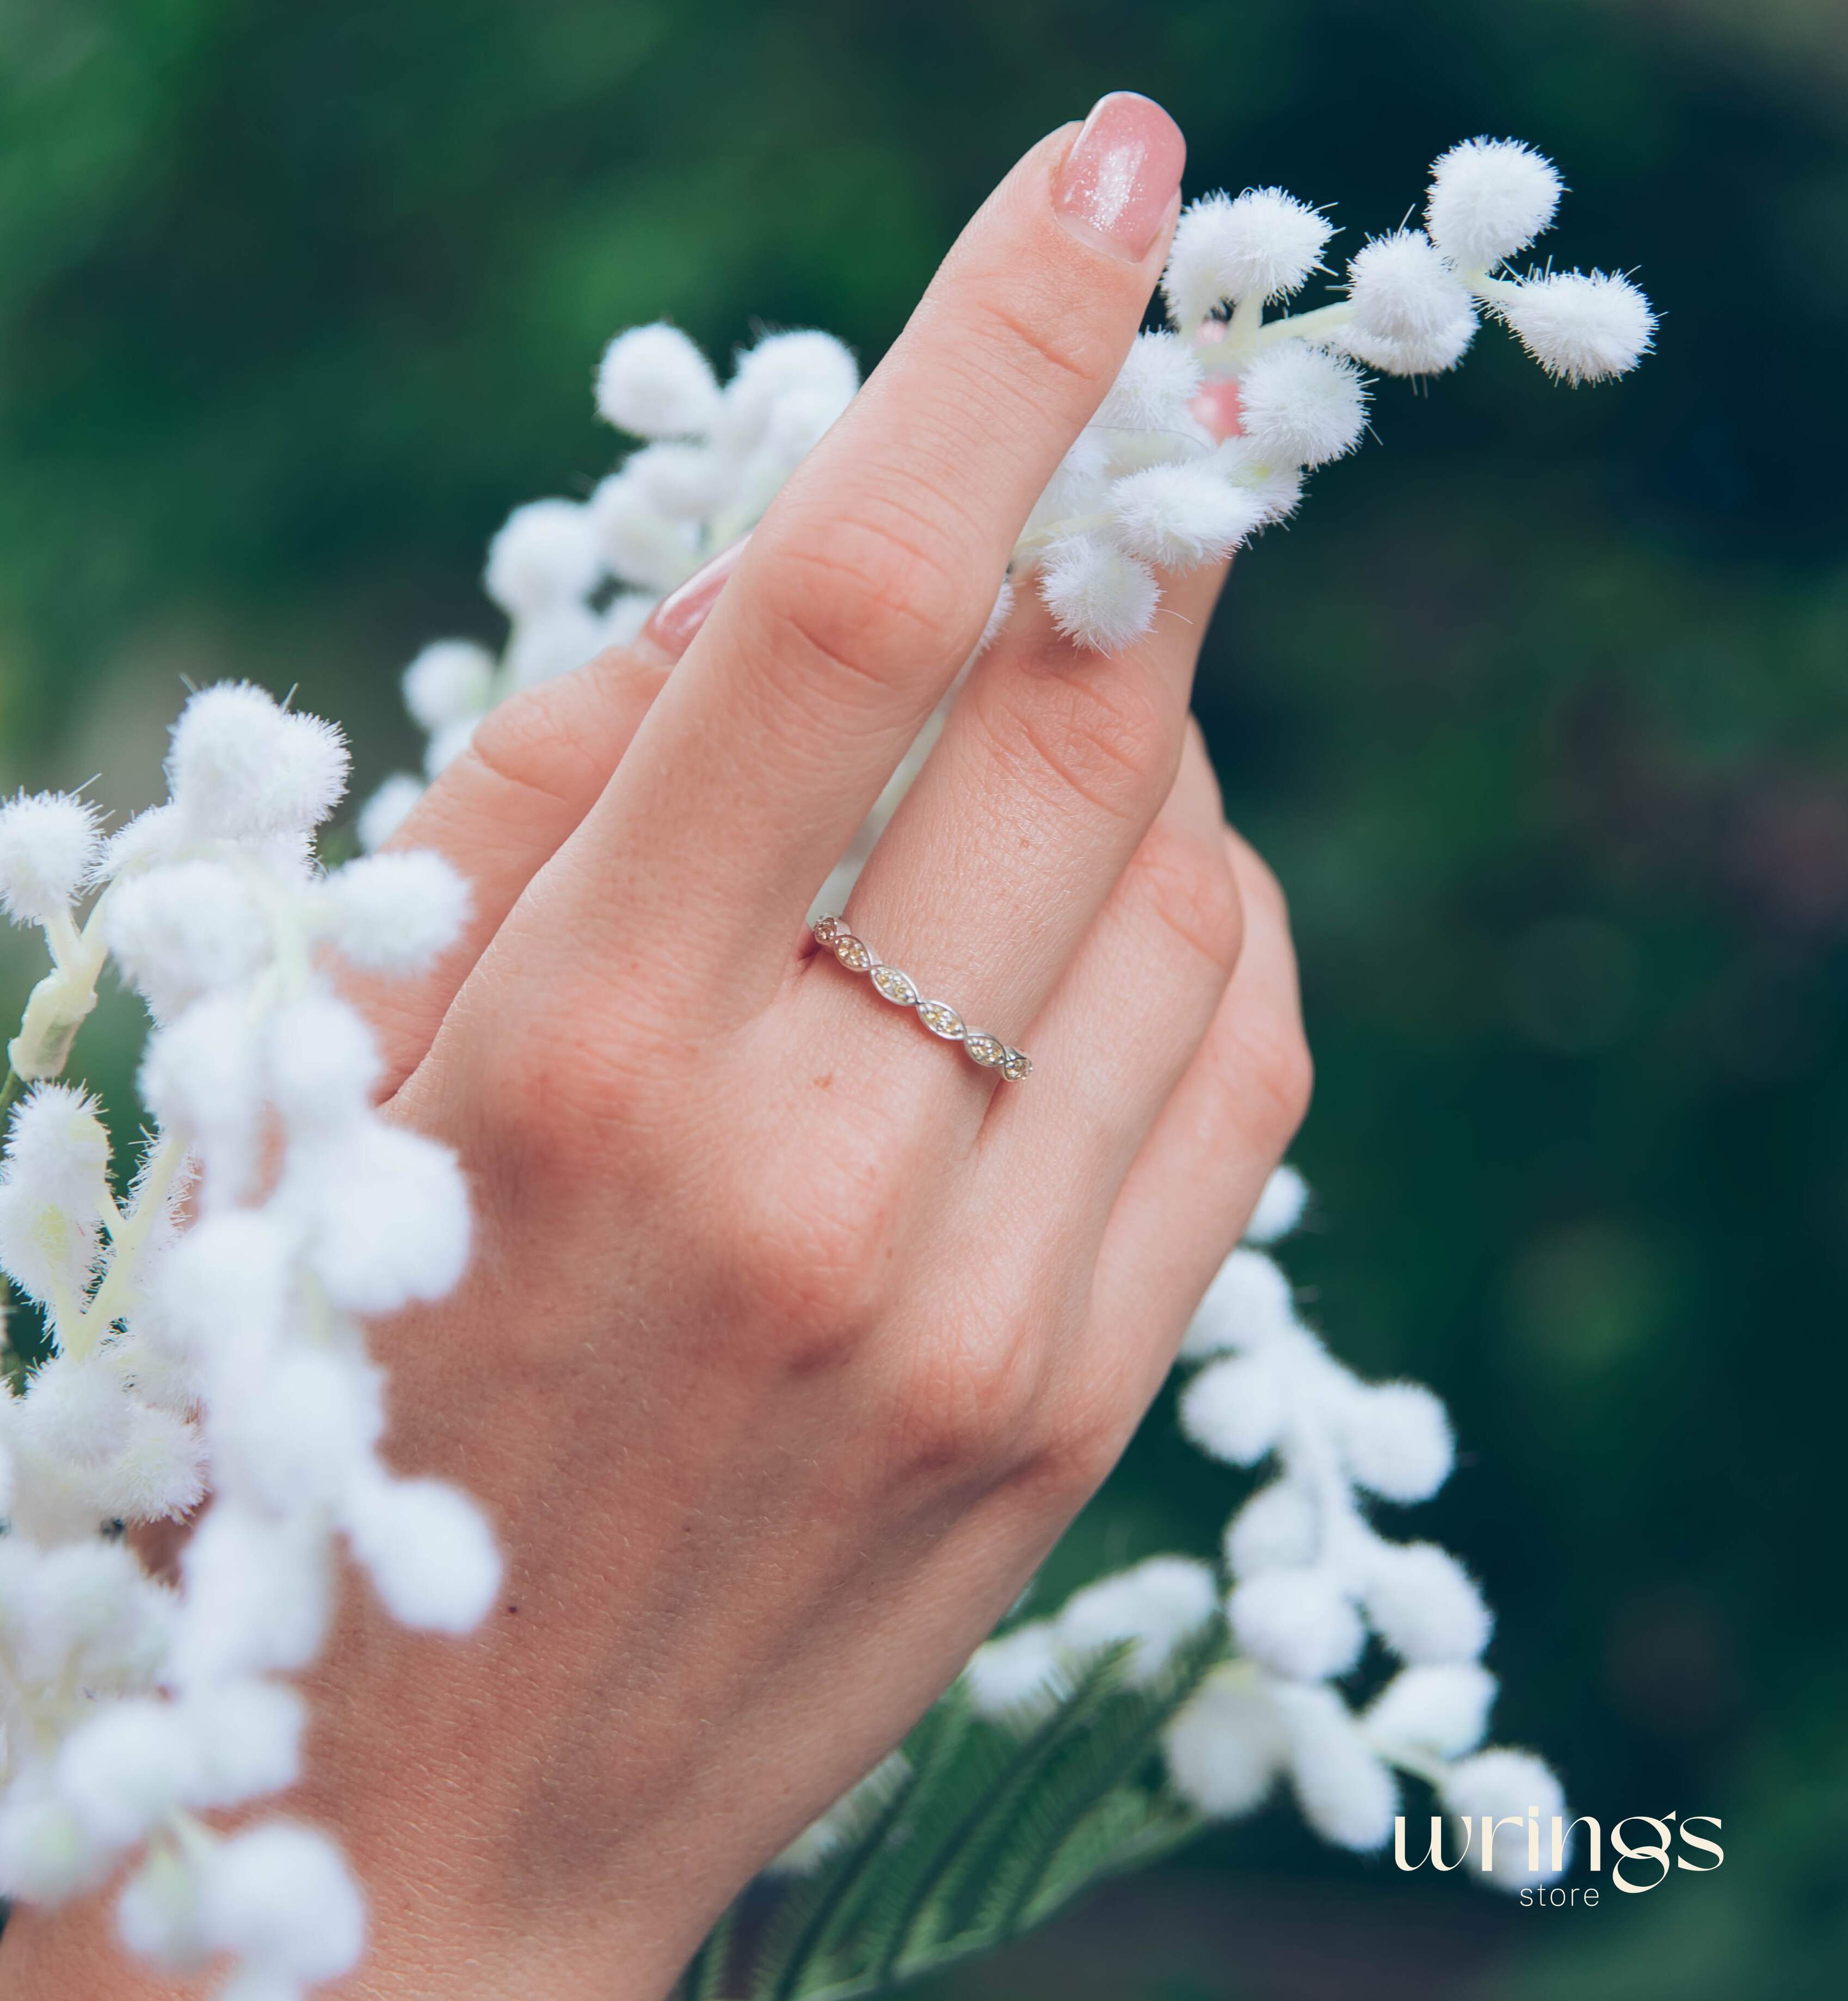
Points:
x=980, y=1832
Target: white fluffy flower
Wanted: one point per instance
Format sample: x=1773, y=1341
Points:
x=280, y=1896
x=1234, y=1409
x=1439, y=1712
x=545, y=553
x=1424, y=1605
x=429, y=1550
x=1300, y=1623
x=1499, y=1784
x=49, y=847
x=1489, y=198
x=1159, y=378
x=1301, y=406
x=239, y=766
x=257, y=1597
x=126, y=1770
x=813, y=370
x=1279, y=1528
x=184, y=931
x=653, y=382
x=1261, y=246
x=1099, y=597
x=1580, y=325
x=1160, y=1604
x=555, y=642
x=1182, y=515
x=53, y=1192
x=639, y=543
x=387, y=810
x=1347, y=1791
x=386, y=1216
x=396, y=913
x=46, y=1854
x=1280, y=1208
x=448, y=679
x=1018, y=1671
x=1224, y=1747
x=1247, y=1306
x=1396, y=1440
x=157, y=1914
x=1412, y=314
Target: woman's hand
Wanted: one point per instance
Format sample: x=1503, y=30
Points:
x=793, y=1340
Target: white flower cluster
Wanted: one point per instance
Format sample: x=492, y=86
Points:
x=1312, y=1579
x=205, y=1339
x=1202, y=442
x=575, y=576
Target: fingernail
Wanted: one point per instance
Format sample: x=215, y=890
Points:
x=1123, y=172
x=680, y=615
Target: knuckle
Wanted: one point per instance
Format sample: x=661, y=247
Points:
x=812, y=1260
x=962, y=1412
x=1036, y=345
x=1284, y=1073
x=1073, y=1455
x=1108, y=736
x=1185, y=886
x=538, y=740
x=872, y=597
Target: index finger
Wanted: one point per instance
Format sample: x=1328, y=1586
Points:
x=868, y=582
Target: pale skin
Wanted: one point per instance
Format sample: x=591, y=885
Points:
x=792, y=1339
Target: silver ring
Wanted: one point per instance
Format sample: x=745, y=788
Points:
x=938, y=1016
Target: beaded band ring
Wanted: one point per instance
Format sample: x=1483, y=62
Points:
x=938, y=1016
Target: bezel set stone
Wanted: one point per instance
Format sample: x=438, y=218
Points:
x=938, y=1016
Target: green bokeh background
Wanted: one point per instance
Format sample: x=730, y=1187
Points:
x=1540, y=711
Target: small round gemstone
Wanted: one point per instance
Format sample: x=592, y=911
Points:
x=1015, y=1066
x=898, y=987
x=853, y=953
x=941, y=1020
x=989, y=1051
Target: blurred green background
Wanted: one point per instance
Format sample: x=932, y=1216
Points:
x=1541, y=711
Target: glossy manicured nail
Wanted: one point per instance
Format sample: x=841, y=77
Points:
x=679, y=615
x=1123, y=172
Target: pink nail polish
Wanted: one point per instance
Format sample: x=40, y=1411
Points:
x=680, y=615
x=1123, y=172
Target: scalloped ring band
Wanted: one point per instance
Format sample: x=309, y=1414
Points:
x=938, y=1016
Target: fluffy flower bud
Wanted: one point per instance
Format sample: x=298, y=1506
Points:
x=1225, y=1746
x=812, y=366
x=1279, y=1528
x=1098, y=597
x=1158, y=379
x=1182, y=515
x=1262, y=246
x=1347, y=1793
x=429, y=1552
x=1234, y=1409
x=280, y=1896
x=257, y=1599
x=1438, y=1711
x=1279, y=1209
x=1424, y=1605
x=1247, y=1306
x=184, y=931
x=641, y=545
x=1016, y=1671
x=1298, y=1623
x=1160, y=1604
x=1580, y=325
x=387, y=1217
x=49, y=847
x=1489, y=198
x=396, y=913
x=239, y=766
x=387, y=810
x=46, y=1853
x=157, y=1914
x=1301, y=406
x=545, y=553
x=448, y=679
x=125, y=1771
x=1396, y=1440
x=1412, y=315
x=653, y=382
x=1506, y=1785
